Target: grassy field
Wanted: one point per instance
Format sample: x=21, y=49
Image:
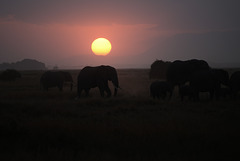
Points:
x=36, y=125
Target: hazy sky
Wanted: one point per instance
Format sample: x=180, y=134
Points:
x=60, y=32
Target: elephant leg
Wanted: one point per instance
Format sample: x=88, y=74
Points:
x=107, y=89
x=104, y=87
x=101, y=89
x=109, y=93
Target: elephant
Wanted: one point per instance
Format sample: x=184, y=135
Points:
x=209, y=81
x=234, y=84
x=222, y=76
x=55, y=79
x=160, y=89
x=179, y=72
x=98, y=76
x=10, y=75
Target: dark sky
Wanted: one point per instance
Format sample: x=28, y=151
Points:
x=60, y=32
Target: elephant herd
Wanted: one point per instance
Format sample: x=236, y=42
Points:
x=89, y=77
x=193, y=77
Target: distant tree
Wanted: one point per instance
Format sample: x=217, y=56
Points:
x=158, y=69
x=26, y=64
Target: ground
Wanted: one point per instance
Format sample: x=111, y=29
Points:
x=53, y=125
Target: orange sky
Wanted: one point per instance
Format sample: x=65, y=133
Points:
x=59, y=32
x=65, y=42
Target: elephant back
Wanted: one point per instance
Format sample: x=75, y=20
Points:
x=52, y=79
x=10, y=75
x=180, y=72
x=222, y=76
x=67, y=76
x=87, y=76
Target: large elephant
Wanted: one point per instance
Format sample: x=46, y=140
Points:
x=209, y=81
x=10, y=75
x=55, y=79
x=179, y=72
x=91, y=77
x=234, y=83
x=160, y=89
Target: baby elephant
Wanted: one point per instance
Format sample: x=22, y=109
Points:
x=160, y=89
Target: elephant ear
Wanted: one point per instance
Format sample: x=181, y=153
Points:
x=111, y=73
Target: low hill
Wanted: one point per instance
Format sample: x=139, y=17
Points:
x=26, y=64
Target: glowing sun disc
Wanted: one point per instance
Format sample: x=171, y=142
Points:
x=101, y=46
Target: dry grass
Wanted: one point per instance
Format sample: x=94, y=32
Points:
x=40, y=125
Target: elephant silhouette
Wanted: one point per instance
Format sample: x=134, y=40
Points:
x=55, y=79
x=91, y=77
x=179, y=72
x=160, y=89
x=10, y=75
x=209, y=81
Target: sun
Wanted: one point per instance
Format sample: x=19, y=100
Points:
x=101, y=46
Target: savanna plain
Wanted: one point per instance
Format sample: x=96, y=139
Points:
x=37, y=125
